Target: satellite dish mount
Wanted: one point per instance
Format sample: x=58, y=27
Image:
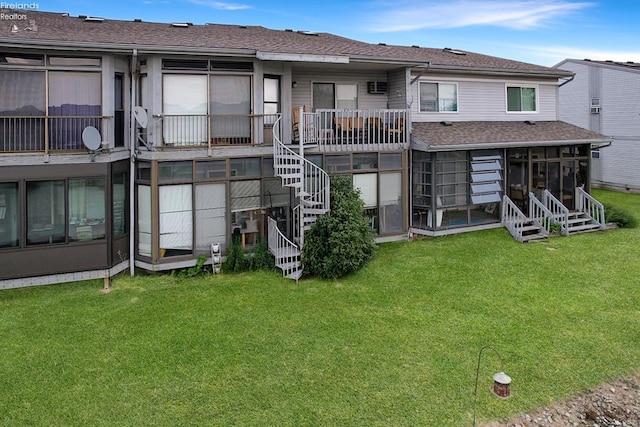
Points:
x=92, y=140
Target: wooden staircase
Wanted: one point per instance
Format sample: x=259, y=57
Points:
x=311, y=189
x=551, y=213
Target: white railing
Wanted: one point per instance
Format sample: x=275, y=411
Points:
x=216, y=129
x=286, y=253
x=588, y=205
x=513, y=219
x=559, y=212
x=539, y=213
x=20, y=134
x=353, y=130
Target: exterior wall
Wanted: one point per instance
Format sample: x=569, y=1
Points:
x=618, y=89
x=398, y=88
x=303, y=93
x=482, y=99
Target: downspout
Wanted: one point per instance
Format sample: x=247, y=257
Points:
x=567, y=81
x=132, y=169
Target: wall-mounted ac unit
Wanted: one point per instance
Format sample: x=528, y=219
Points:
x=595, y=105
x=595, y=110
x=377, y=87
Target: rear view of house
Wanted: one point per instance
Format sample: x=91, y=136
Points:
x=137, y=144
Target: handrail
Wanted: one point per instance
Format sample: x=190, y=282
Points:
x=539, y=213
x=588, y=205
x=559, y=212
x=512, y=218
x=286, y=252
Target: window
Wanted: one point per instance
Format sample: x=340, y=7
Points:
x=176, y=220
x=211, y=169
x=17, y=100
x=367, y=184
x=120, y=208
x=211, y=222
x=9, y=215
x=245, y=167
x=521, y=98
x=271, y=98
x=144, y=220
x=390, y=202
x=86, y=209
x=185, y=108
x=346, y=96
x=118, y=107
x=230, y=98
x=45, y=212
x=438, y=97
x=452, y=178
x=175, y=171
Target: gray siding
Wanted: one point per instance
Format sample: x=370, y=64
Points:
x=485, y=99
x=398, y=84
x=574, y=97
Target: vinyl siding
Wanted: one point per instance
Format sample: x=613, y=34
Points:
x=620, y=103
x=302, y=94
x=574, y=97
x=486, y=100
x=398, y=81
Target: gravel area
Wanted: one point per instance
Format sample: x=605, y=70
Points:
x=613, y=404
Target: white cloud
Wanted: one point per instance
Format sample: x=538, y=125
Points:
x=463, y=13
x=220, y=5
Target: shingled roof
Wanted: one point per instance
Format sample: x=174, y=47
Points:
x=50, y=29
x=445, y=136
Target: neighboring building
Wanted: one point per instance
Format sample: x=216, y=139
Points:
x=604, y=96
x=214, y=131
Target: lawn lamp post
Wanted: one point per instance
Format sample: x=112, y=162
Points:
x=501, y=381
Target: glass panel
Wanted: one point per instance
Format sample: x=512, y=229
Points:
x=568, y=151
x=211, y=221
x=347, y=96
x=120, y=208
x=143, y=171
x=447, y=97
x=20, y=59
x=176, y=222
x=23, y=94
x=245, y=167
x=86, y=209
x=267, y=166
x=73, y=95
x=428, y=96
x=74, y=61
x=553, y=152
x=174, y=171
x=513, y=99
x=528, y=99
x=489, y=176
x=118, y=122
x=390, y=160
x=537, y=153
x=337, y=163
x=391, y=202
x=582, y=150
x=582, y=175
x=553, y=178
x=271, y=89
x=568, y=183
x=323, y=96
x=245, y=195
x=144, y=220
x=275, y=194
x=365, y=161
x=211, y=169
x=230, y=98
x=45, y=212
x=185, y=98
x=368, y=185
x=421, y=188
x=9, y=215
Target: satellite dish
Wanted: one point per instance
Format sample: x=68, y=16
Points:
x=91, y=138
x=141, y=116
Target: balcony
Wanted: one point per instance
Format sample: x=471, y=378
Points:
x=45, y=134
x=353, y=130
x=211, y=130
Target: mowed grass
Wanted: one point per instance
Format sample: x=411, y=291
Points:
x=394, y=345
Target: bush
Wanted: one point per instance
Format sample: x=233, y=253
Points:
x=261, y=258
x=621, y=217
x=341, y=241
x=235, y=262
x=197, y=270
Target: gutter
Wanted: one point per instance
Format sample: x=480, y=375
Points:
x=512, y=144
x=132, y=170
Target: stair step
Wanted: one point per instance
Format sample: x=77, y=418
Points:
x=310, y=211
x=288, y=266
x=531, y=228
x=536, y=236
x=286, y=252
x=586, y=227
x=295, y=275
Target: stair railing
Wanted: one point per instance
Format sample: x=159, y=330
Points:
x=512, y=218
x=286, y=253
x=588, y=205
x=559, y=212
x=539, y=213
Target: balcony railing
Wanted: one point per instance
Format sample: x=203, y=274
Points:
x=37, y=134
x=200, y=130
x=354, y=130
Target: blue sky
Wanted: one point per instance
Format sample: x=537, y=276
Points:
x=541, y=32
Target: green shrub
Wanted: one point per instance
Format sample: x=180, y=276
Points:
x=197, y=270
x=341, y=241
x=261, y=258
x=619, y=216
x=235, y=262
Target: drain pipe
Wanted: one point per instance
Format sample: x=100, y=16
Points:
x=132, y=169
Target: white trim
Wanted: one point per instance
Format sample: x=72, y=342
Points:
x=298, y=57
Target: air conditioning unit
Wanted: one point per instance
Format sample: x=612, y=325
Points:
x=377, y=87
x=595, y=110
x=595, y=105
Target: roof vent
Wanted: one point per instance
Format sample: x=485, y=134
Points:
x=242, y=26
x=415, y=45
x=179, y=24
x=530, y=122
x=308, y=33
x=137, y=20
x=288, y=30
x=65, y=15
x=93, y=19
x=382, y=44
x=445, y=123
x=453, y=51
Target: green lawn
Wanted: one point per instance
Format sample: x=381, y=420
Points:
x=393, y=345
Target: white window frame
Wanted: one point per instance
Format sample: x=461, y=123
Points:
x=438, y=110
x=521, y=86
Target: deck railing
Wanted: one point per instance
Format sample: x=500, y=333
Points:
x=559, y=212
x=37, y=134
x=539, y=212
x=216, y=129
x=590, y=206
x=513, y=219
x=355, y=130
